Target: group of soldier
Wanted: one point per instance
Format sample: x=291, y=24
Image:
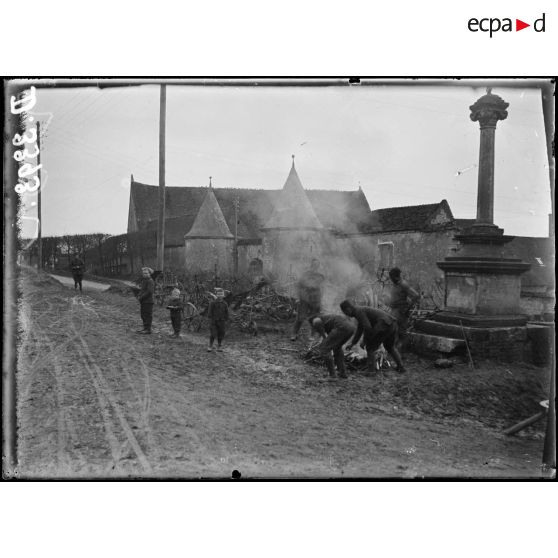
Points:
x=374, y=326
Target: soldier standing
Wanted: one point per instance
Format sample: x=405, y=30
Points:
x=309, y=289
x=403, y=298
x=335, y=331
x=145, y=297
x=77, y=266
x=377, y=327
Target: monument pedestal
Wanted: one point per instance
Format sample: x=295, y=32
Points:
x=482, y=295
x=483, y=287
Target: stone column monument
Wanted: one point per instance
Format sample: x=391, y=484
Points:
x=482, y=286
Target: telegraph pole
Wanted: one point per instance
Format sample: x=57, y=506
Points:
x=236, y=205
x=39, y=214
x=161, y=223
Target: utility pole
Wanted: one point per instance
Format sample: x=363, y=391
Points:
x=39, y=214
x=161, y=223
x=236, y=207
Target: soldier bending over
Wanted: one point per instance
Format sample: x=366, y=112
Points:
x=377, y=327
x=335, y=331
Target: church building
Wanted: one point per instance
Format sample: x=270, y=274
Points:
x=247, y=231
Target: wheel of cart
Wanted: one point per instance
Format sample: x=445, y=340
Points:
x=164, y=284
x=192, y=318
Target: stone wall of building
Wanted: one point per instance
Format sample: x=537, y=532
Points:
x=537, y=306
x=288, y=253
x=250, y=257
x=415, y=252
x=202, y=255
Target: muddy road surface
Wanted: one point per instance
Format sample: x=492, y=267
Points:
x=95, y=399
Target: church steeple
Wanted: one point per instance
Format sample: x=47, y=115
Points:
x=293, y=209
x=210, y=221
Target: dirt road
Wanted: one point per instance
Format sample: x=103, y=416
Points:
x=87, y=285
x=97, y=400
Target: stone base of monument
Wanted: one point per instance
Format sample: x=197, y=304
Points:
x=500, y=338
x=482, y=297
x=435, y=345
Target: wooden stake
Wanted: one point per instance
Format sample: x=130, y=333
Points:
x=471, y=362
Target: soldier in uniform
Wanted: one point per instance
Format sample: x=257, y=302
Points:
x=77, y=266
x=335, y=331
x=145, y=297
x=377, y=327
x=309, y=289
x=403, y=298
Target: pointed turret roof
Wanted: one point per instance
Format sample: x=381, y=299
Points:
x=210, y=221
x=293, y=209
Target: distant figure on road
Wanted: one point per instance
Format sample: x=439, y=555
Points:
x=309, y=296
x=403, y=298
x=145, y=297
x=175, y=306
x=377, y=327
x=77, y=266
x=335, y=331
x=218, y=314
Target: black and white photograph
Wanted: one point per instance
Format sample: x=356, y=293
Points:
x=311, y=278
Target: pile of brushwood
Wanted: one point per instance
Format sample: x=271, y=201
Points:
x=261, y=303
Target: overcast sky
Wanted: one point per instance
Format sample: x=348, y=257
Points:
x=402, y=145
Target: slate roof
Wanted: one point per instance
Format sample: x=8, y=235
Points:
x=210, y=221
x=340, y=210
x=413, y=217
x=292, y=208
x=529, y=249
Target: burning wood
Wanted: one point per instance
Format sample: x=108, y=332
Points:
x=355, y=358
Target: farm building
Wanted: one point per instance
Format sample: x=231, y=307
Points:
x=279, y=232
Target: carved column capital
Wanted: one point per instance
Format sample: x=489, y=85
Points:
x=488, y=110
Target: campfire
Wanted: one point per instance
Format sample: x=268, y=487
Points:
x=355, y=358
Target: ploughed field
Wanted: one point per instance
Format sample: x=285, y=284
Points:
x=95, y=399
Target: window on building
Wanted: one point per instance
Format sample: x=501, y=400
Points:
x=386, y=255
x=255, y=267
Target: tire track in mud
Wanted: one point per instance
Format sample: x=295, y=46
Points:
x=103, y=389
x=64, y=420
x=112, y=440
x=48, y=359
x=61, y=418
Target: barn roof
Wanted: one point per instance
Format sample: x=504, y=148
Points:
x=413, y=217
x=540, y=253
x=340, y=210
